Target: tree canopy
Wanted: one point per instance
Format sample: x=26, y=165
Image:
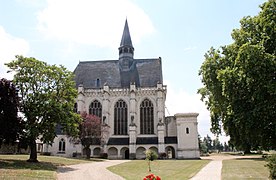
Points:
x=11, y=125
x=240, y=82
x=90, y=132
x=47, y=96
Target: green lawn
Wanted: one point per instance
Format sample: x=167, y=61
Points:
x=166, y=169
x=244, y=169
x=16, y=166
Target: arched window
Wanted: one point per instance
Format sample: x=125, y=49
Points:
x=146, y=117
x=187, y=130
x=95, y=108
x=76, y=108
x=61, y=146
x=120, y=118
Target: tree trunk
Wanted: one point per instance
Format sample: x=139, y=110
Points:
x=33, y=154
x=88, y=153
x=247, y=149
x=149, y=165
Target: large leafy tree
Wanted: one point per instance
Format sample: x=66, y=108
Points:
x=240, y=82
x=47, y=95
x=90, y=132
x=11, y=125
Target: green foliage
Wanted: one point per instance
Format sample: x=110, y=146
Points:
x=271, y=164
x=151, y=155
x=47, y=96
x=207, y=145
x=239, y=83
x=11, y=125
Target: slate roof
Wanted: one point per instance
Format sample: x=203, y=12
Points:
x=145, y=73
x=126, y=39
x=120, y=73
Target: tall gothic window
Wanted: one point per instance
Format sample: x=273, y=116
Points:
x=95, y=108
x=146, y=117
x=120, y=118
x=61, y=145
x=76, y=108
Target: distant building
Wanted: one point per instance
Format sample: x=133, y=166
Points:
x=129, y=96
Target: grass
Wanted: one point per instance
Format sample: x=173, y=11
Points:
x=16, y=166
x=249, y=168
x=166, y=169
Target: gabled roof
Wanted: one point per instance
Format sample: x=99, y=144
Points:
x=94, y=74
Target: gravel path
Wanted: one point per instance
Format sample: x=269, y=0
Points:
x=91, y=171
x=212, y=171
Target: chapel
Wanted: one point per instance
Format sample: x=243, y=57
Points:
x=129, y=96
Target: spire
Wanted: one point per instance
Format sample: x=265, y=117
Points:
x=126, y=39
x=126, y=50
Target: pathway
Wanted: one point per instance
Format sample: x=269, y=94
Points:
x=212, y=171
x=91, y=171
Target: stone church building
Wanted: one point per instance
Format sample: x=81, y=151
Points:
x=129, y=96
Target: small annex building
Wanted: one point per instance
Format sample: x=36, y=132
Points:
x=129, y=96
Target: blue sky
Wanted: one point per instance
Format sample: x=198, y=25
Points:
x=179, y=31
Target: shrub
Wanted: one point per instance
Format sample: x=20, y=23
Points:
x=152, y=177
x=162, y=155
x=271, y=164
x=46, y=153
x=150, y=156
x=104, y=155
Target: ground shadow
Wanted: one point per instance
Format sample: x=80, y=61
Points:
x=65, y=169
x=254, y=159
x=23, y=164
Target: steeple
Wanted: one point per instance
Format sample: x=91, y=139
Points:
x=126, y=49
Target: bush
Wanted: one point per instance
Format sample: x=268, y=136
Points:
x=76, y=154
x=162, y=155
x=46, y=153
x=151, y=155
x=152, y=177
x=271, y=164
x=104, y=155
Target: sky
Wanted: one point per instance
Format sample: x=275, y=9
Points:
x=179, y=31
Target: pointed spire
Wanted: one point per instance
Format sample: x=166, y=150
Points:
x=126, y=50
x=126, y=39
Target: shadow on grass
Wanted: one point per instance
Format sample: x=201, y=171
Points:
x=23, y=164
x=254, y=159
x=64, y=169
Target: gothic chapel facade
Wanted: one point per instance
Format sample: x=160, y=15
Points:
x=129, y=96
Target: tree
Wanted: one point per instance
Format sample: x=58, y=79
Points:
x=240, y=83
x=150, y=156
x=217, y=145
x=207, y=141
x=11, y=125
x=47, y=96
x=90, y=132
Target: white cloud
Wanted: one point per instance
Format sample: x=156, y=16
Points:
x=93, y=22
x=190, y=48
x=9, y=47
x=180, y=101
